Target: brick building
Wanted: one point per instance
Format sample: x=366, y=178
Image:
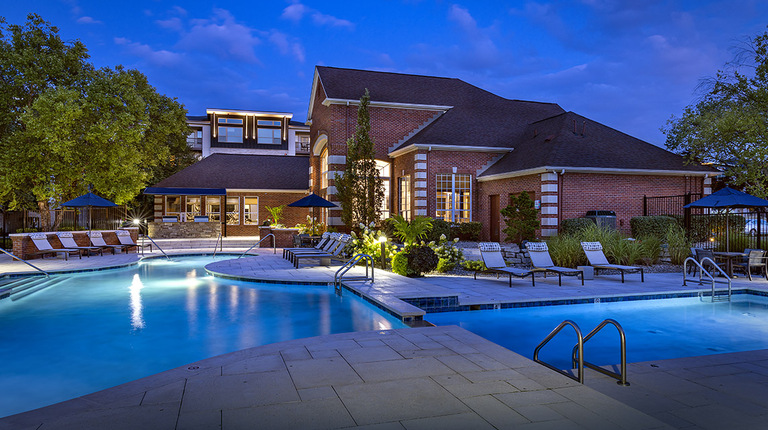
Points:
x=449, y=150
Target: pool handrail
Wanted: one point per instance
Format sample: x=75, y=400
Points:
x=274, y=245
x=579, y=361
x=709, y=276
x=47, y=275
x=337, y=277
x=621, y=377
x=157, y=246
x=219, y=245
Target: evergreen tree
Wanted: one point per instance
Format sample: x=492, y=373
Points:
x=360, y=189
x=521, y=217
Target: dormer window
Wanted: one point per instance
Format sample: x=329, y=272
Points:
x=269, y=132
x=231, y=130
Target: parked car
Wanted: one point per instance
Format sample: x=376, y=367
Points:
x=751, y=227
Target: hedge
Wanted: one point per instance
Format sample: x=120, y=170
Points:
x=651, y=226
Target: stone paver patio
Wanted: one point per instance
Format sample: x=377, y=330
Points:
x=432, y=377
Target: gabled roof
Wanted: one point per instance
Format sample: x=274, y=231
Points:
x=570, y=140
x=472, y=116
x=252, y=172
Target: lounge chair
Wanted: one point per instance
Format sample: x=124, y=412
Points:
x=68, y=241
x=596, y=257
x=325, y=258
x=124, y=236
x=44, y=247
x=98, y=240
x=490, y=252
x=755, y=260
x=319, y=246
x=542, y=262
x=332, y=243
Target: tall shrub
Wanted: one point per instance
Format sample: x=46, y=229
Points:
x=521, y=218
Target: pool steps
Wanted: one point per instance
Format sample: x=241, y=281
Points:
x=20, y=288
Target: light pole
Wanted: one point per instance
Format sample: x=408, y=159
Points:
x=383, y=241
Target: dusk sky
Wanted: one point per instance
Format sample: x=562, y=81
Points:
x=627, y=64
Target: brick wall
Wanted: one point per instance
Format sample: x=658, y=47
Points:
x=503, y=188
x=23, y=245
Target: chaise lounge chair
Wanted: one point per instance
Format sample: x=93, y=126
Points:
x=328, y=247
x=98, y=240
x=542, y=262
x=124, y=236
x=68, y=241
x=490, y=252
x=318, y=246
x=325, y=258
x=44, y=247
x=594, y=251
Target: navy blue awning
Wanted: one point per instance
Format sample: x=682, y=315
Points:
x=186, y=191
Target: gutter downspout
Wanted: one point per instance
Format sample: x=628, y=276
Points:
x=560, y=200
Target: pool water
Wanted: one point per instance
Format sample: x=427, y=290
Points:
x=655, y=329
x=100, y=329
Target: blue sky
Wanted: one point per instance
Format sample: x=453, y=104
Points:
x=627, y=64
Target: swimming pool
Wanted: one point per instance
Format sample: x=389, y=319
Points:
x=100, y=329
x=655, y=329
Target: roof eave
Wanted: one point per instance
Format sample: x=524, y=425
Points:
x=456, y=148
x=611, y=171
x=392, y=105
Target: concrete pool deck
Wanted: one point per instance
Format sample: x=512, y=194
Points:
x=434, y=377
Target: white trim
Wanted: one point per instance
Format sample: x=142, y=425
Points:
x=315, y=81
x=420, y=166
x=549, y=199
x=454, y=148
x=610, y=171
x=420, y=175
x=420, y=184
x=549, y=210
x=420, y=157
x=337, y=159
x=248, y=112
x=549, y=221
x=258, y=190
x=320, y=143
x=547, y=232
x=548, y=176
x=394, y=105
x=331, y=190
x=548, y=188
x=421, y=212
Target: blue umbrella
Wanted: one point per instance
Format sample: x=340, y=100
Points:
x=728, y=198
x=312, y=201
x=89, y=200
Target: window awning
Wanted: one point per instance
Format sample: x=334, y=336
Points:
x=173, y=191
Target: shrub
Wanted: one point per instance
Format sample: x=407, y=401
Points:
x=276, y=212
x=521, y=218
x=27, y=230
x=367, y=242
x=467, y=230
x=444, y=265
x=400, y=264
x=411, y=232
x=448, y=252
x=651, y=249
x=651, y=226
x=678, y=245
x=476, y=265
x=440, y=227
x=415, y=260
x=572, y=226
x=566, y=251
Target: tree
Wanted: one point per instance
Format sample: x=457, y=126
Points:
x=521, y=217
x=360, y=189
x=728, y=126
x=70, y=128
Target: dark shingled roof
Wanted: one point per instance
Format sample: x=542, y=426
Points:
x=477, y=118
x=243, y=172
x=552, y=142
x=197, y=117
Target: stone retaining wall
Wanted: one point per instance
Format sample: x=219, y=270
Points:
x=179, y=230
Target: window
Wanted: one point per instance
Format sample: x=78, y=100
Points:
x=172, y=205
x=404, y=195
x=233, y=210
x=269, y=132
x=232, y=131
x=383, y=168
x=213, y=208
x=453, y=197
x=324, y=169
x=193, y=207
x=251, y=211
x=302, y=143
x=195, y=139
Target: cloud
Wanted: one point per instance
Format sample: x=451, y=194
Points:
x=162, y=58
x=286, y=46
x=223, y=36
x=297, y=11
x=87, y=20
x=481, y=51
x=174, y=24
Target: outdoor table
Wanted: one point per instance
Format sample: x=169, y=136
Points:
x=729, y=257
x=310, y=240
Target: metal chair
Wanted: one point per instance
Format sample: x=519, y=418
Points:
x=755, y=260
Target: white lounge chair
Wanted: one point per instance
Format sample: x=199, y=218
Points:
x=325, y=257
x=490, y=252
x=98, y=240
x=542, y=262
x=68, y=241
x=124, y=236
x=44, y=247
x=596, y=257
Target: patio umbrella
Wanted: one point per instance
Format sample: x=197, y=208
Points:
x=312, y=201
x=89, y=200
x=728, y=199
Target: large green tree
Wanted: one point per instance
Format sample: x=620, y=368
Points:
x=360, y=189
x=67, y=128
x=521, y=218
x=728, y=126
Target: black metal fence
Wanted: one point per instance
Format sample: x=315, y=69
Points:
x=721, y=230
x=71, y=219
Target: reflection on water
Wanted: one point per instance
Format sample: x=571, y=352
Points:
x=137, y=316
